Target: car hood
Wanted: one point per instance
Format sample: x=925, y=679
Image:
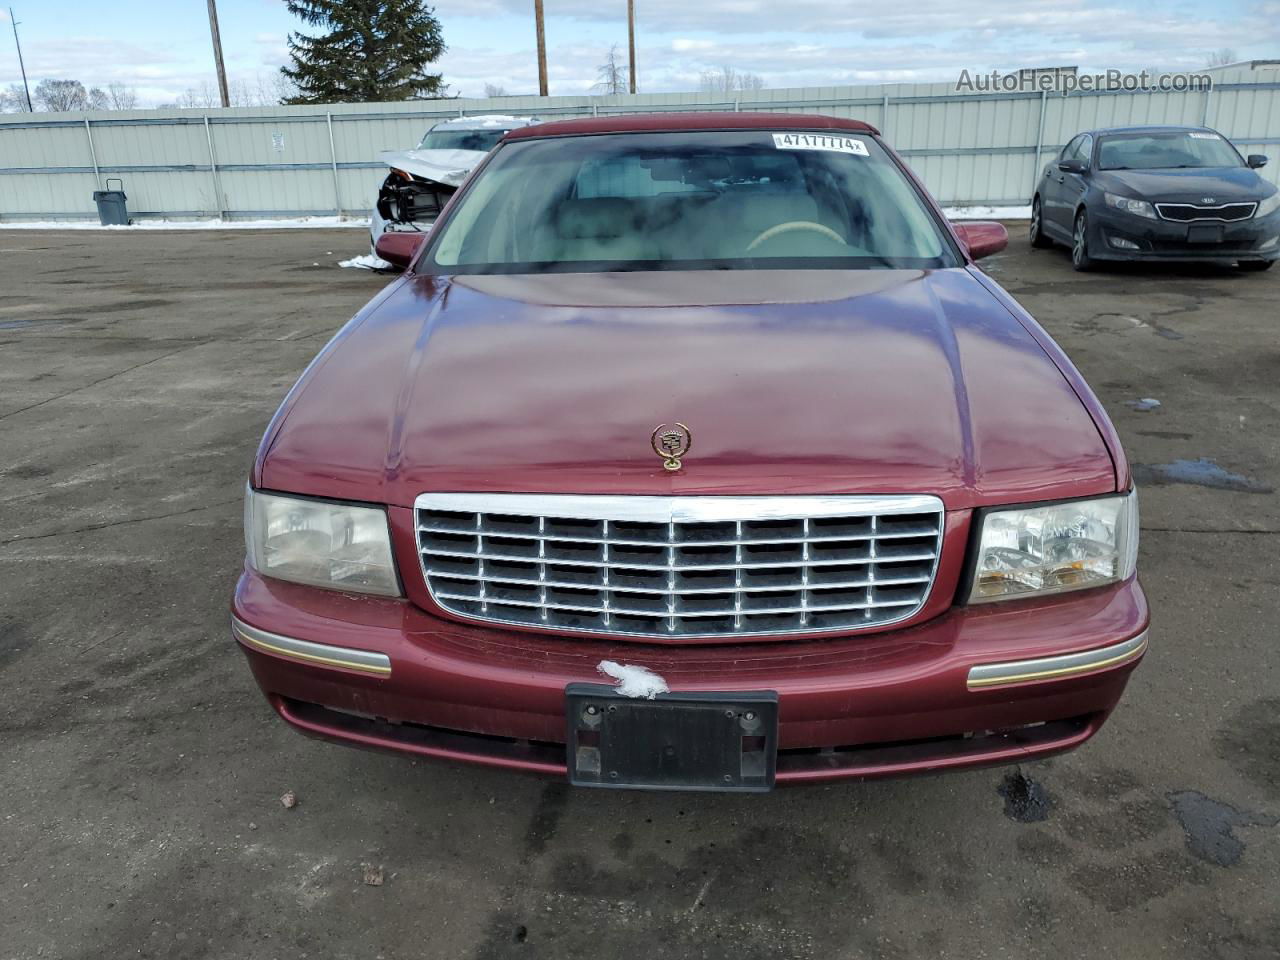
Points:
x=804, y=382
x=445, y=166
x=1224, y=184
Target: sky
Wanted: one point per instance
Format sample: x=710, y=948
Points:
x=163, y=48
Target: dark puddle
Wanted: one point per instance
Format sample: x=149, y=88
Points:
x=1209, y=826
x=1202, y=472
x=1025, y=800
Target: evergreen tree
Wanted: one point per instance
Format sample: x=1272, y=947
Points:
x=369, y=50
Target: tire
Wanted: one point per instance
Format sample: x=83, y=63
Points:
x=1080, y=259
x=1036, y=233
x=1256, y=266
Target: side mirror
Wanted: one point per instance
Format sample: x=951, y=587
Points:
x=1257, y=160
x=399, y=248
x=982, y=237
x=1072, y=166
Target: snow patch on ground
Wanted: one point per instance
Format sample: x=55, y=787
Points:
x=366, y=262
x=634, y=681
x=282, y=224
x=988, y=213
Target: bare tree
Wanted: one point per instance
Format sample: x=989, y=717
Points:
x=611, y=76
x=97, y=99
x=122, y=97
x=728, y=80
x=1220, y=58
x=57, y=96
x=275, y=88
x=495, y=90
x=204, y=95
x=13, y=99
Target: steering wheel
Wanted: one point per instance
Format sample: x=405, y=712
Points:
x=778, y=229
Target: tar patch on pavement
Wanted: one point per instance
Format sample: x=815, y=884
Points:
x=1210, y=825
x=1025, y=800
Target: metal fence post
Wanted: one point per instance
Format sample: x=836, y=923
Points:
x=213, y=171
x=333, y=159
x=93, y=154
x=1035, y=170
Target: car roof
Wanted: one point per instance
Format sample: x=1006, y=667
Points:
x=1150, y=128
x=674, y=121
x=484, y=122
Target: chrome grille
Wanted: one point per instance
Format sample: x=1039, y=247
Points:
x=1187, y=212
x=680, y=566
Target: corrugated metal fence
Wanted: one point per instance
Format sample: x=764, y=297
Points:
x=249, y=162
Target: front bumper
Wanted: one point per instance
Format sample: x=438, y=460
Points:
x=1253, y=239
x=952, y=692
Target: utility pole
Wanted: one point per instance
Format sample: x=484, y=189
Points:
x=217, y=52
x=542, y=48
x=21, y=66
x=631, y=40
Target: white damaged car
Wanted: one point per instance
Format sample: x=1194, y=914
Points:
x=424, y=178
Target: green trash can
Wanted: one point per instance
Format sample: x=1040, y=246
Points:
x=111, y=205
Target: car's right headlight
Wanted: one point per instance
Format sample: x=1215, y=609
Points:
x=318, y=542
x=1139, y=208
x=1268, y=206
x=1054, y=548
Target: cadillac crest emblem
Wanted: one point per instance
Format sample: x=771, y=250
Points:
x=671, y=443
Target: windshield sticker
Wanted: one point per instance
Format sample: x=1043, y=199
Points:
x=1205, y=136
x=818, y=141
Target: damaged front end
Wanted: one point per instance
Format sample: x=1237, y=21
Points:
x=408, y=202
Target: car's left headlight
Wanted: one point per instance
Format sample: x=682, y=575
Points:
x=1054, y=548
x=1139, y=208
x=1268, y=206
x=336, y=545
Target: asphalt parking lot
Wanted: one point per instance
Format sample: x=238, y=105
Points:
x=141, y=771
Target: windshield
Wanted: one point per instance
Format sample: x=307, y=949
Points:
x=688, y=201
x=481, y=140
x=1164, y=151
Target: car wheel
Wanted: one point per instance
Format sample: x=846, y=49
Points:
x=1037, y=237
x=1080, y=258
x=1256, y=265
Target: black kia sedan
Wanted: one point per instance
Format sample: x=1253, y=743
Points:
x=1157, y=193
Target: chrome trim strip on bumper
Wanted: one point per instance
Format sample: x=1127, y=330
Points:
x=1057, y=668
x=315, y=654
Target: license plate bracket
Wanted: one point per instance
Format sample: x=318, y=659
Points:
x=1204, y=234
x=725, y=742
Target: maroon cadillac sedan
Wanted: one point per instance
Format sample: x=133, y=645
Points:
x=693, y=452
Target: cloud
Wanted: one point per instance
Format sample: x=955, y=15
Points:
x=1067, y=21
